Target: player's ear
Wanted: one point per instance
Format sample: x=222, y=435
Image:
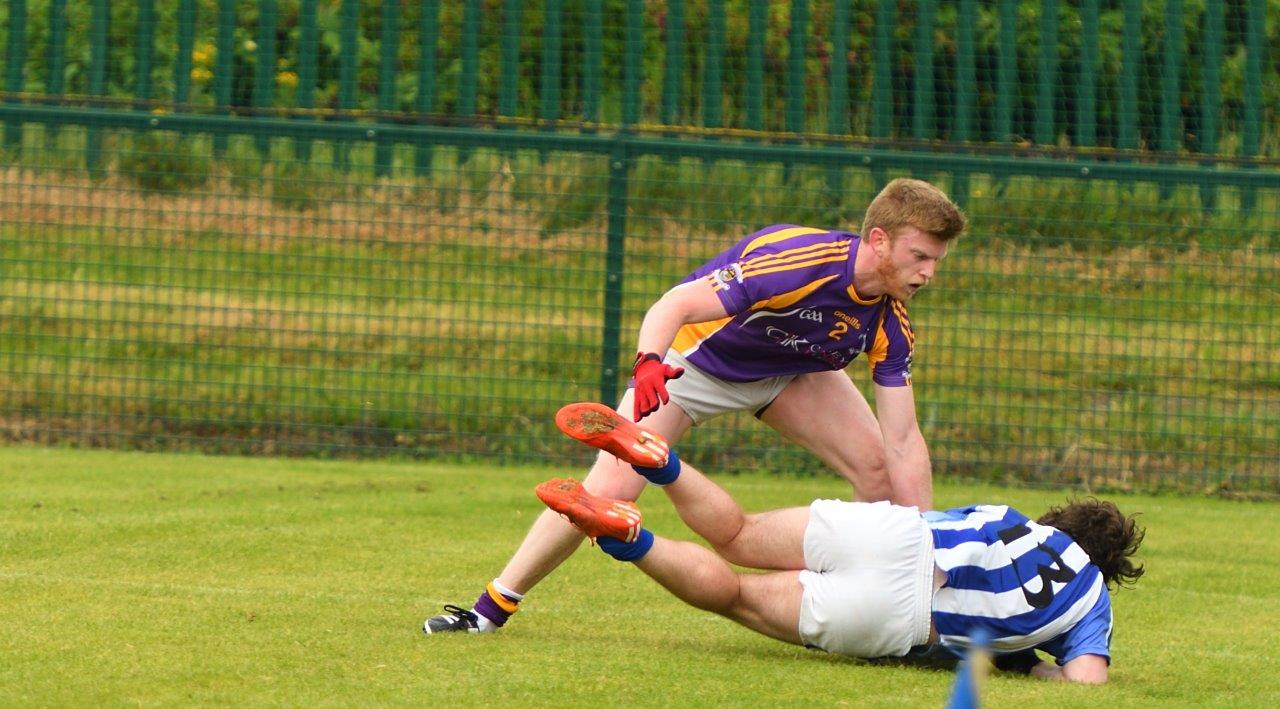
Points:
x=879, y=239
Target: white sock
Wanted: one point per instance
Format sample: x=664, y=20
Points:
x=517, y=597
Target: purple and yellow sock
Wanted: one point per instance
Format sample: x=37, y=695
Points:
x=665, y=475
x=627, y=551
x=497, y=603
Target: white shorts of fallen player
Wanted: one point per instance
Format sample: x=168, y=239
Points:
x=870, y=579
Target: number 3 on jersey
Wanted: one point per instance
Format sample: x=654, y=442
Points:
x=1057, y=570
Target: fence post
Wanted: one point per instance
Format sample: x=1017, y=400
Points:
x=966, y=92
x=838, y=93
x=56, y=60
x=348, y=57
x=98, y=29
x=922, y=106
x=1087, y=81
x=182, y=62
x=223, y=66
x=1130, y=56
x=673, y=62
x=1251, y=139
x=429, y=36
x=264, y=75
x=387, y=52
x=1211, y=94
x=549, y=85
x=17, y=59
x=1170, y=91
x=466, y=106
x=755, y=64
x=615, y=250
x=144, y=34
x=713, y=66
x=308, y=43
x=1047, y=76
x=634, y=45
x=882, y=80
x=594, y=69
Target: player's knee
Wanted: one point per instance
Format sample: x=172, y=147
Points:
x=610, y=477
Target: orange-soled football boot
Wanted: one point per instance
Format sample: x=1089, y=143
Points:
x=593, y=516
x=600, y=426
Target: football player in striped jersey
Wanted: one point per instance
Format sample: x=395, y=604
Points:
x=766, y=327
x=870, y=579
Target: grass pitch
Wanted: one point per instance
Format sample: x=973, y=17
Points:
x=130, y=578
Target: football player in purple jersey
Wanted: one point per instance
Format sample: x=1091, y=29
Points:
x=766, y=327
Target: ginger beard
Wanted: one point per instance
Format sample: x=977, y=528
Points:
x=907, y=261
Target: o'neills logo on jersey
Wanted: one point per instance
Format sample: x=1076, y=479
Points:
x=732, y=272
x=853, y=322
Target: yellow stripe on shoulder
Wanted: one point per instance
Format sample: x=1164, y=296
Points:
x=777, y=236
x=785, y=300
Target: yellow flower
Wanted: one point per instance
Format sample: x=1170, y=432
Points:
x=201, y=74
x=287, y=78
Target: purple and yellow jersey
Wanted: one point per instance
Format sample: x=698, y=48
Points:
x=792, y=309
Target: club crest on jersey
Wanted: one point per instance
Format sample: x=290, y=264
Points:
x=728, y=274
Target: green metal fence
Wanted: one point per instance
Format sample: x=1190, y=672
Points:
x=308, y=227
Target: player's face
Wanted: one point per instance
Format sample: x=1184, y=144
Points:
x=908, y=261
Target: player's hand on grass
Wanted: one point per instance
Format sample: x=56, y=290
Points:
x=650, y=375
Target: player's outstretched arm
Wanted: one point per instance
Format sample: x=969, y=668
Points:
x=1086, y=669
x=906, y=455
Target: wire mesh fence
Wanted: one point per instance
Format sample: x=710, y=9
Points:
x=418, y=228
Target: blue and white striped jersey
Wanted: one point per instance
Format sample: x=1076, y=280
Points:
x=1028, y=585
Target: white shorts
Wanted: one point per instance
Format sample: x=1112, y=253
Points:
x=869, y=584
x=703, y=396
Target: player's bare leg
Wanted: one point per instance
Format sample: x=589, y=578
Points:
x=825, y=413
x=551, y=540
x=768, y=603
x=766, y=540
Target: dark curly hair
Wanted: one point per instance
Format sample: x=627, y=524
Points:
x=1105, y=534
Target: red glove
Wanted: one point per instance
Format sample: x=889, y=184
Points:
x=650, y=376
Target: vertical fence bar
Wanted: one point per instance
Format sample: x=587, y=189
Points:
x=1170, y=88
x=56, y=60
x=593, y=51
x=1087, y=81
x=99, y=27
x=1251, y=137
x=549, y=87
x=755, y=64
x=882, y=80
x=615, y=251
x=633, y=40
x=428, y=38
x=308, y=43
x=466, y=106
x=1211, y=93
x=264, y=74
x=182, y=62
x=388, y=51
x=222, y=66
x=144, y=35
x=1006, y=72
x=838, y=91
x=1047, y=76
x=797, y=39
x=348, y=56
x=1130, y=56
x=922, y=108
x=966, y=91
x=882, y=71
x=16, y=62
x=713, y=66
x=509, y=58
x=673, y=65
